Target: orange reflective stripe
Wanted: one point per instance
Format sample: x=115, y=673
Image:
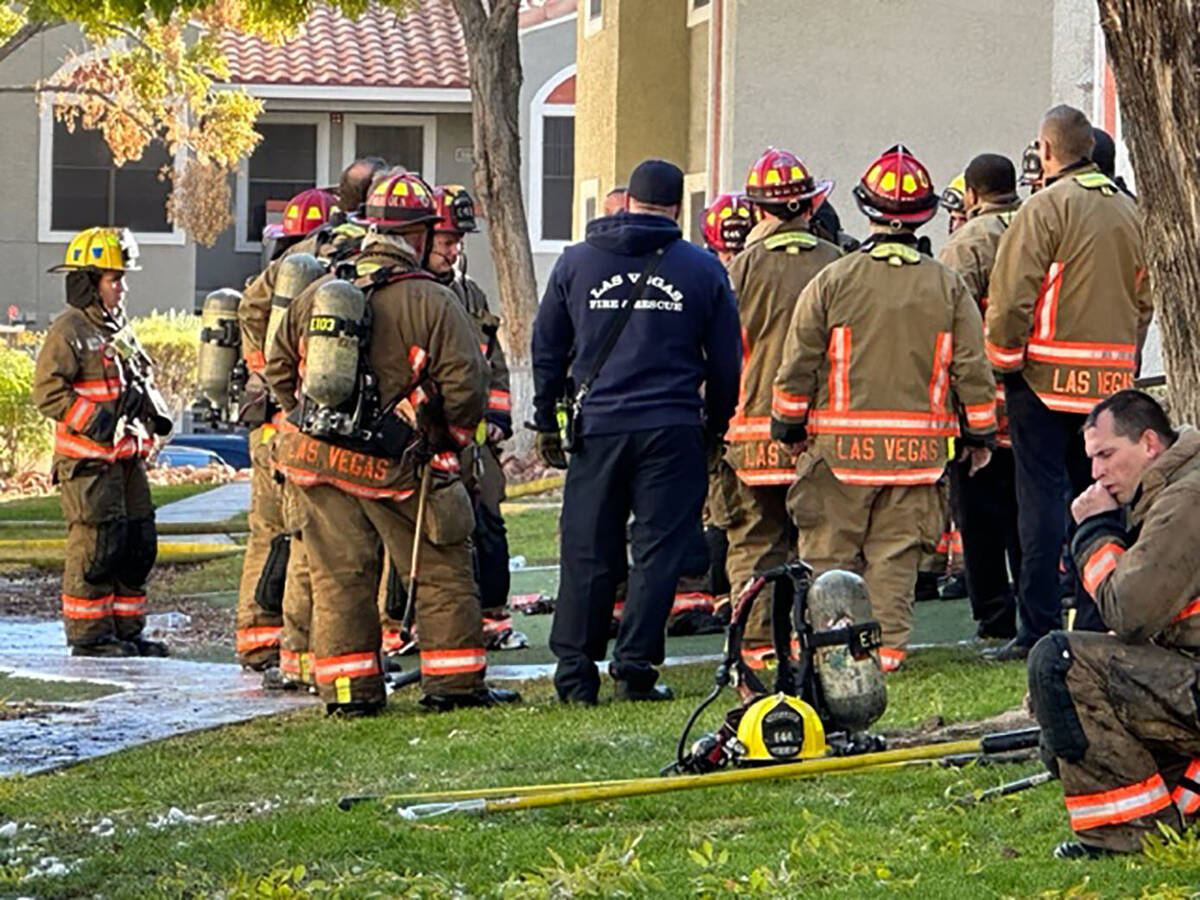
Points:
x=1084, y=353
x=495, y=626
x=691, y=600
x=1187, y=797
x=131, y=605
x=839, y=368
x=254, y=638
x=939, y=380
x=463, y=436
x=289, y=662
x=99, y=391
x=786, y=404
x=499, y=400
x=1004, y=358
x=417, y=358
x=758, y=656
x=1119, y=805
x=349, y=665
x=1067, y=402
x=749, y=428
x=889, y=659
x=87, y=607
x=1045, y=311
x=307, y=478
x=445, y=462
x=888, y=476
x=453, y=662
x=882, y=421
x=78, y=413
x=1192, y=609
x=756, y=477
x=67, y=443
x=256, y=361
x=1100, y=564
x=392, y=640
x=981, y=416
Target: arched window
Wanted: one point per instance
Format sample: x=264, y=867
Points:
x=552, y=162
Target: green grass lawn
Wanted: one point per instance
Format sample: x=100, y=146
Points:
x=270, y=788
x=21, y=690
x=272, y=785
x=47, y=508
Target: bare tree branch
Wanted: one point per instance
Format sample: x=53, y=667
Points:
x=23, y=35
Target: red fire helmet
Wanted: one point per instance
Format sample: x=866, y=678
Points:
x=779, y=176
x=308, y=210
x=896, y=188
x=728, y=221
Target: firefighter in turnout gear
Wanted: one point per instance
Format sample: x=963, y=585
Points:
x=93, y=379
x=883, y=356
x=1068, y=309
x=781, y=257
x=264, y=568
x=1120, y=712
x=985, y=506
x=480, y=462
x=700, y=599
x=273, y=632
x=370, y=427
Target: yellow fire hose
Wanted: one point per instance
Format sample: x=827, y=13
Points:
x=502, y=799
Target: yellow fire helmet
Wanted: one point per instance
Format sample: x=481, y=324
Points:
x=954, y=196
x=101, y=248
x=779, y=729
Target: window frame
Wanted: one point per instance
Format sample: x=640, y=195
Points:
x=427, y=124
x=242, y=242
x=592, y=24
x=45, y=204
x=698, y=15
x=539, y=111
x=693, y=183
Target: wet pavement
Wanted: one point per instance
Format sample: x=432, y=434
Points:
x=160, y=698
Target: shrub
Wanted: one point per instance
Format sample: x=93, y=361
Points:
x=173, y=341
x=25, y=434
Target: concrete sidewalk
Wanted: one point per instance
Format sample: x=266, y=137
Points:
x=216, y=505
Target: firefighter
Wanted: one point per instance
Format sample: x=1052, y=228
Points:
x=883, y=354
x=701, y=601
x=781, y=257
x=92, y=379
x=986, y=505
x=276, y=642
x=415, y=370
x=1068, y=309
x=482, y=473
x=953, y=200
x=1120, y=713
x=259, y=621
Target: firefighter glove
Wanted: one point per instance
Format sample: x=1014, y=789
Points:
x=550, y=449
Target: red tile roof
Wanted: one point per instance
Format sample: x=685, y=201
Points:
x=422, y=50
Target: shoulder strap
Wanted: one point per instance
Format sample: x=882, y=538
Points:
x=618, y=323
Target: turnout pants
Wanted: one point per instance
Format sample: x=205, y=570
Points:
x=985, y=505
x=257, y=629
x=295, y=657
x=1121, y=722
x=1051, y=470
x=342, y=537
x=485, y=480
x=111, y=547
x=761, y=536
x=704, y=593
x=658, y=475
x=878, y=531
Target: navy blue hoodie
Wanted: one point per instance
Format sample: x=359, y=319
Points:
x=685, y=332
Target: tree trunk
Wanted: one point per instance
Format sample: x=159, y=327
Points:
x=495, y=63
x=1154, y=50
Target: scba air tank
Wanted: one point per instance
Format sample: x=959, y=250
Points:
x=854, y=689
x=335, y=328
x=220, y=345
x=292, y=276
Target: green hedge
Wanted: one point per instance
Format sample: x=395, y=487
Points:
x=172, y=339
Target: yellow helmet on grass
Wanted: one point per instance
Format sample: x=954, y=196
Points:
x=780, y=728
